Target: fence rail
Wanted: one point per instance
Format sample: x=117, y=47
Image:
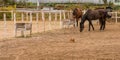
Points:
x=115, y=15
x=56, y=15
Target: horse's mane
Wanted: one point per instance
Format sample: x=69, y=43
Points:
x=85, y=15
x=78, y=9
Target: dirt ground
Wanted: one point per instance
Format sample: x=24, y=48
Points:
x=65, y=44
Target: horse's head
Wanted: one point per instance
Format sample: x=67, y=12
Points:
x=108, y=14
x=81, y=27
x=109, y=10
x=77, y=13
x=83, y=19
x=74, y=12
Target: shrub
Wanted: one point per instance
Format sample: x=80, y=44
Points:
x=7, y=8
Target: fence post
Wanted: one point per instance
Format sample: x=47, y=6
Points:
x=30, y=17
x=50, y=20
x=5, y=26
x=14, y=24
x=55, y=16
x=64, y=15
x=43, y=18
x=37, y=21
x=68, y=14
x=14, y=18
x=60, y=19
x=116, y=17
x=27, y=16
x=12, y=15
x=22, y=16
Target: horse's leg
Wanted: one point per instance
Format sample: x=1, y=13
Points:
x=77, y=22
x=90, y=23
x=104, y=25
x=101, y=26
x=92, y=26
x=101, y=23
x=89, y=27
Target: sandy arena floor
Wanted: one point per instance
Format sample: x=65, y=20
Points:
x=65, y=44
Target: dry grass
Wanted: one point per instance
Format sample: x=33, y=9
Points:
x=57, y=45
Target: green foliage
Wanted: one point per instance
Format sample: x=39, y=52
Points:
x=8, y=8
x=21, y=3
x=8, y=15
x=60, y=6
x=50, y=4
x=111, y=4
x=70, y=6
x=7, y=2
x=87, y=6
x=105, y=2
x=30, y=5
x=116, y=8
x=25, y=4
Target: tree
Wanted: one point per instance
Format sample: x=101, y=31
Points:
x=7, y=2
x=110, y=3
x=22, y=3
x=105, y=2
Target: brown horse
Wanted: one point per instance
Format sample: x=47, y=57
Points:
x=100, y=14
x=77, y=14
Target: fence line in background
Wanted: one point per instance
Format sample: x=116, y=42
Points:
x=115, y=15
x=28, y=15
x=37, y=19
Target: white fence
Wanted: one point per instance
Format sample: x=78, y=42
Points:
x=4, y=25
x=61, y=13
x=116, y=16
x=56, y=15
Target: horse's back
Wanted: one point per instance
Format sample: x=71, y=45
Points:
x=92, y=14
